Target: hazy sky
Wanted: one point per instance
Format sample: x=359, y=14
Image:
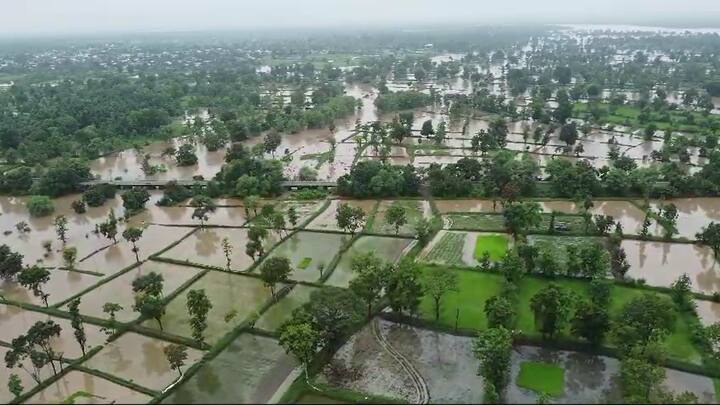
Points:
x=84, y=16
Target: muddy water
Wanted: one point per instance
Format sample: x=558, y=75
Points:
x=119, y=290
x=660, y=264
x=708, y=311
x=320, y=247
x=388, y=249
x=250, y=370
x=414, y=211
x=445, y=206
x=139, y=359
x=281, y=311
x=101, y=390
x=205, y=247
x=62, y=285
x=229, y=293
x=693, y=214
x=326, y=220
x=25, y=378
x=629, y=216
x=17, y=321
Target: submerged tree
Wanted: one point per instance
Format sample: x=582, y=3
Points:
x=395, y=216
x=198, y=306
x=33, y=278
x=275, y=270
x=61, y=228
x=133, y=235
x=77, y=324
x=176, y=356
x=227, y=251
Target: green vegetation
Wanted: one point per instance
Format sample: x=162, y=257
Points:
x=448, y=250
x=494, y=245
x=304, y=263
x=541, y=377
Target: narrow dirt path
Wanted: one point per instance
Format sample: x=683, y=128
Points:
x=421, y=388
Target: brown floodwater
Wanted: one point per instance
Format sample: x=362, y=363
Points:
x=119, y=290
x=660, y=264
x=204, y=246
x=16, y=321
x=102, y=391
x=62, y=285
x=693, y=214
x=139, y=359
x=708, y=311
x=326, y=220
x=230, y=294
x=25, y=378
x=445, y=206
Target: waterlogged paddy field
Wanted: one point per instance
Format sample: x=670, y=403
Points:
x=119, y=289
x=388, y=249
x=282, y=310
x=139, y=359
x=326, y=220
x=250, y=370
x=693, y=214
x=204, y=247
x=61, y=286
x=89, y=389
x=234, y=298
x=661, y=263
x=414, y=211
x=447, y=365
x=319, y=247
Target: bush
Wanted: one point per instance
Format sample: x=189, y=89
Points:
x=40, y=206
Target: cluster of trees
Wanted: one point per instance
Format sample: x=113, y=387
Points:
x=245, y=174
x=376, y=179
x=402, y=100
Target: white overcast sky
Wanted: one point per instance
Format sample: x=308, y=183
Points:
x=87, y=16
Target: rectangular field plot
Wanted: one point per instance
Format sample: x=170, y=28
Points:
x=204, y=247
x=62, y=285
x=304, y=210
x=182, y=215
x=558, y=244
x=139, y=359
x=234, y=297
x=120, y=255
x=250, y=370
x=660, y=264
x=485, y=222
x=309, y=250
x=414, y=211
x=326, y=220
x=119, y=289
x=464, y=248
x=80, y=387
x=386, y=248
x=16, y=321
x=631, y=217
x=693, y=214
x=485, y=206
x=282, y=310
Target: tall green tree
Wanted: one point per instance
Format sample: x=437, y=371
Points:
x=493, y=348
x=198, y=306
x=551, y=307
x=77, y=324
x=275, y=270
x=437, y=283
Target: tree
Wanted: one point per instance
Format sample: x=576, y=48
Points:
x=151, y=284
x=332, y=312
x=176, y=356
x=440, y=133
x=250, y=203
x=203, y=205
x=135, y=199
x=681, y=292
x=395, y=216
x=271, y=142
x=569, y=134
x=427, y=128
x=499, y=312
x=77, y=324
x=61, y=227
x=254, y=246
x=370, y=279
x=111, y=308
x=133, y=235
x=643, y=320
x=422, y=230
x=69, y=257
x=590, y=322
x=551, y=307
x=33, y=278
x=493, y=348
x=521, y=216
x=40, y=337
x=710, y=236
x=15, y=385
x=10, y=263
x=185, y=155
x=302, y=341
x=227, y=251
x=40, y=206
x=198, y=306
x=349, y=218
x=109, y=227
x=403, y=287
x=292, y=216
x=148, y=296
x=437, y=283
x=275, y=270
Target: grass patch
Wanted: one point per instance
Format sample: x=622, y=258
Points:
x=495, y=245
x=557, y=245
x=541, y=377
x=304, y=263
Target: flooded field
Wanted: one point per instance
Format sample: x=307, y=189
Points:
x=693, y=214
x=62, y=285
x=414, y=211
x=119, y=289
x=25, y=379
x=326, y=220
x=16, y=321
x=282, y=310
x=139, y=359
x=88, y=389
x=309, y=251
x=445, y=206
x=234, y=298
x=708, y=311
x=204, y=247
x=660, y=263
x=250, y=370
x=386, y=248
